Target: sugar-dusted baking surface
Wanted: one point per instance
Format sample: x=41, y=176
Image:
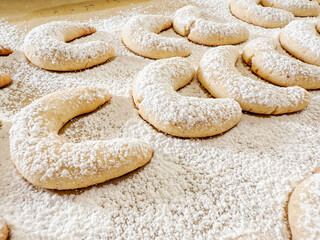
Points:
x=22, y=12
x=212, y=188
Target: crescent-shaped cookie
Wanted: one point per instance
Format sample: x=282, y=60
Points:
x=268, y=63
x=188, y=22
x=304, y=209
x=47, y=160
x=140, y=35
x=154, y=93
x=5, y=79
x=299, y=8
x=218, y=74
x=4, y=232
x=301, y=39
x=250, y=11
x=46, y=47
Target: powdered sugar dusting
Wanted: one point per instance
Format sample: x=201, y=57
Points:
x=40, y=154
x=212, y=188
x=309, y=8
x=292, y=3
x=219, y=64
x=267, y=56
x=303, y=35
x=2, y=225
x=255, y=10
x=224, y=30
x=48, y=43
x=143, y=31
x=191, y=18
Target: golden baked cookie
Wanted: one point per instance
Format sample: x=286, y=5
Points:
x=218, y=74
x=47, y=160
x=5, y=50
x=268, y=63
x=301, y=39
x=154, y=93
x=188, y=22
x=304, y=209
x=5, y=79
x=250, y=11
x=46, y=47
x=140, y=35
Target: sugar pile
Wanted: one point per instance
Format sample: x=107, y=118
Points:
x=212, y=188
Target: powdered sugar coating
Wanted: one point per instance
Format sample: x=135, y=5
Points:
x=186, y=17
x=214, y=188
x=304, y=211
x=140, y=34
x=188, y=22
x=46, y=47
x=277, y=68
x=5, y=79
x=47, y=160
x=251, y=12
x=217, y=67
x=155, y=96
x=249, y=236
x=300, y=8
x=5, y=50
x=301, y=39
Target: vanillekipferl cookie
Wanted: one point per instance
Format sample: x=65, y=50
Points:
x=188, y=22
x=46, y=47
x=299, y=8
x=250, y=11
x=140, y=35
x=250, y=236
x=301, y=39
x=154, y=93
x=262, y=55
x=47, y=160
x=303, y=209
x=218, y=74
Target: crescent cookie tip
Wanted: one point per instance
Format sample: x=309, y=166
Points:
x=4, y=231
x=300, y=39
x=303, y=210
x=250, y=11
x=140, y=35
x=5, y=79
x=154, y=91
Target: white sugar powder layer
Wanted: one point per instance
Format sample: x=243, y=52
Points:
x=213, y=188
